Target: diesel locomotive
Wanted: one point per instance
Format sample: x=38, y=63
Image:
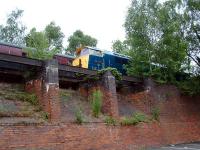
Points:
x=96, y=59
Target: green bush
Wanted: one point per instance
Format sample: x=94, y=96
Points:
x=96, y=103
x=79, y=116
x=127, y=121
x=134, y=119
x=109, y=120
x=155, y=112
x=140, y=117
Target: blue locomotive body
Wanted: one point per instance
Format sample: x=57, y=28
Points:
x=95, y=59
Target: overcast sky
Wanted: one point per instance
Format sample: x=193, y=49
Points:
x=102, y=19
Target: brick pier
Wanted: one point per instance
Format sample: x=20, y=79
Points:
x=46, y=88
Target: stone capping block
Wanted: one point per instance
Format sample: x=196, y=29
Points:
x=51, y=71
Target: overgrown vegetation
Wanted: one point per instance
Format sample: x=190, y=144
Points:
x=96, y=103
x=114, y=71
x=155, y=112
x=134, y=119
x=109, y=120
x=19, y=95
x=79, y=118
x=17, y=103
x=190, y=86
x=45, y=115
x=162, y=39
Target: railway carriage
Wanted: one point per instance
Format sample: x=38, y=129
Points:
x=11, y=49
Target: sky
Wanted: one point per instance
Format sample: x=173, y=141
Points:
x=101, y=19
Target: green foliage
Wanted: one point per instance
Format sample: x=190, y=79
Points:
x=37, y=40
x=44, y=44
x=109, y=120
x=54, y=36
x=163, y=40
x=190, y=86
x=45, y=115
x=14, y=31
x=22, y=96
x=96, y=103
x=114, y=71
x=79, y=39
x=126, y=121
x=120, y=47
x=155, y=39
x=140, y=117
x=191, y=28
x=79, y=116
x=39, y=43
x=155, y=112
x=134, y=119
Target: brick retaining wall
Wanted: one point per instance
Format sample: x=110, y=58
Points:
x=96, y=136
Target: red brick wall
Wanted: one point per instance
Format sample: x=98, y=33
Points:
x=48, y=97
x=174, y=107
x=179, y=123
x=97, y=136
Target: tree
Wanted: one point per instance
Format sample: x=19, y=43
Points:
x=191, y=29
x=54, y=35
x=39, y=44
x=79, y=39
x=120, y=47
x=153, y=34
x=14, y=31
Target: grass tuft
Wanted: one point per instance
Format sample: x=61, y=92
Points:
x=109, y=120
x=96, y=103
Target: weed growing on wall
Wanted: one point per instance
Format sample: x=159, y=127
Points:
x=96, y=103
x=155, y=112
x=79, y=116
x=45, y=115
x=26, y=97
x=134, y=119
x=109, y=120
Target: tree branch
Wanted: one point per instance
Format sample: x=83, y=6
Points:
x=198, y=36
x=196, y=61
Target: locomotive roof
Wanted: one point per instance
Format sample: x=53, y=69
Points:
x=116, y=54
x=67, y=56
x=108, y=52
x=93, y=48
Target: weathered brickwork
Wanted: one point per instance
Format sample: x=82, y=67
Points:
x=46, y=88
x=179, y=123
x=97, y=136
x=174, y=107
